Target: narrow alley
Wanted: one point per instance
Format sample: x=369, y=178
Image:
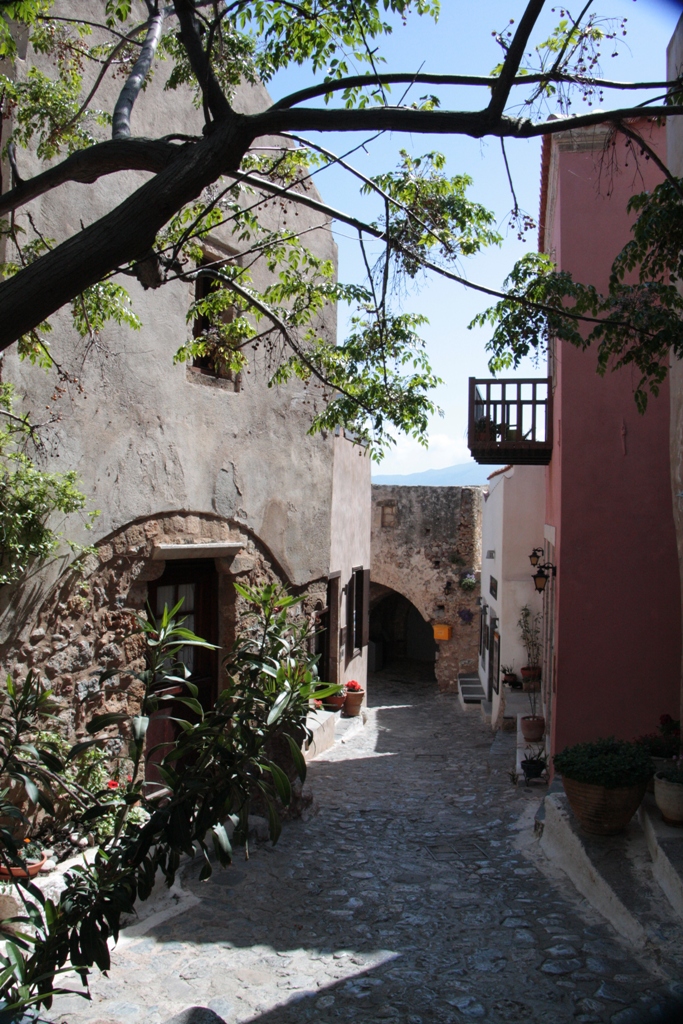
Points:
x=405, y=897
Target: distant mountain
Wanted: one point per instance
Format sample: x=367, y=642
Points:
x=461, y=475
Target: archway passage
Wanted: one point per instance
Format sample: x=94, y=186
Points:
x=400, y=638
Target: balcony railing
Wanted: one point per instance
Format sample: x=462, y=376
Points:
x=511, y=421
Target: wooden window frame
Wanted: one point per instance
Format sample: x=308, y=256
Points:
x=357, y=611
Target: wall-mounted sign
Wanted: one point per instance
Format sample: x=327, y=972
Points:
x=442, y=632
x=493, y=586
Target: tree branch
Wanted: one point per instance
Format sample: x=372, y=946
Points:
x=129, y=93
x=656, y=159
x=475, y=124
x=87, y=165
x=121, y=236
x=356, y=81
x=513, y=58
x=214, y=98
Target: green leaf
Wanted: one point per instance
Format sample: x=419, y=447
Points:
x=297, y=757
x=104, y=721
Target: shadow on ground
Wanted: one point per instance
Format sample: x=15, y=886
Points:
x=402, y=899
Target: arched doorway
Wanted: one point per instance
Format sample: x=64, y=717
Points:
x=399, y=636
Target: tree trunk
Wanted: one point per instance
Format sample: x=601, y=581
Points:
x=125, y=234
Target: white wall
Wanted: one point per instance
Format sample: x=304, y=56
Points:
x=512, y=526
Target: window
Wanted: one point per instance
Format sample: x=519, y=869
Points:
x=210, y=364
x=327, y=636
x=357, y=611
x=388, y=516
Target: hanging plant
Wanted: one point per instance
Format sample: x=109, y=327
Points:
x=466, y=616
x=468, y=581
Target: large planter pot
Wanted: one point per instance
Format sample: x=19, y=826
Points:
x=657, y=764
x=531, y=672
x=669, y=799
x=335, y=702
x=600, y=810
x=31, y=869
x=353, y=703
x=533, y=728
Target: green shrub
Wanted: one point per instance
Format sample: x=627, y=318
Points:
x=605, y=762
x=658, y=745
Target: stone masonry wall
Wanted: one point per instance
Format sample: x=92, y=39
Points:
x=88, y=621
x=424, y=540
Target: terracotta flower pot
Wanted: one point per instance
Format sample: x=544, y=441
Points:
x=602, y=811
x=353, y=703
x=531, y=672
x=334, y=702
x=533, y=727
x=669, y=799
x=31, y=869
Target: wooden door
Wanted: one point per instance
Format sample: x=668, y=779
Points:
x=196, y=583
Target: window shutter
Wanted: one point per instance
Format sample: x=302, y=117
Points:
x=350, y=609
x=366, y=608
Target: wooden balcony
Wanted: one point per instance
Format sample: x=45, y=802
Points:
x=511, y=421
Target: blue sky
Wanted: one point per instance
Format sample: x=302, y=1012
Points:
x=462, y=43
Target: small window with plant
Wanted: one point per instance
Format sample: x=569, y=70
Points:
x=220, y=330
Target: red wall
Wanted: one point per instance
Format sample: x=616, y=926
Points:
x=608, y=493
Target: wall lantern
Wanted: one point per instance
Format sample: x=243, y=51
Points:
x=535, y=557
x=542, y=576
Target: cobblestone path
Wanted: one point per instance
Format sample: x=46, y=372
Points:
x=404, y=898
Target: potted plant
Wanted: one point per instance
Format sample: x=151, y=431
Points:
x=354, y=698
x=468, y=581
x=335, y=701
x=605, y=782
x=530, y=634
x=535, y=764
x=31, y=855
x=662, y=746
x=669, y=792
x=509, y=675
x=533, y=725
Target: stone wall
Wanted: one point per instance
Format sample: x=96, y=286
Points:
x=88, y=621
x=424, y=541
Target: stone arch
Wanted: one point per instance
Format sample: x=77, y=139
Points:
x=86, y=621
x=400, y=631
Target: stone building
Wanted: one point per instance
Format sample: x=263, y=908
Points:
x=425, y=542
x=200, y=479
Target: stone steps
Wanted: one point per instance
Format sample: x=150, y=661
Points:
x=470, y=691
x=634, y=879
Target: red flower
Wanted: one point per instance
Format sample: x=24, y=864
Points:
x=354, y=686
x=129, y=778
x=112, y=784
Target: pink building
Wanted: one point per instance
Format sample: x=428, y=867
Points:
x=612, y=620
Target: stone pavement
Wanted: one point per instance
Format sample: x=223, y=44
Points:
x=413, y=894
